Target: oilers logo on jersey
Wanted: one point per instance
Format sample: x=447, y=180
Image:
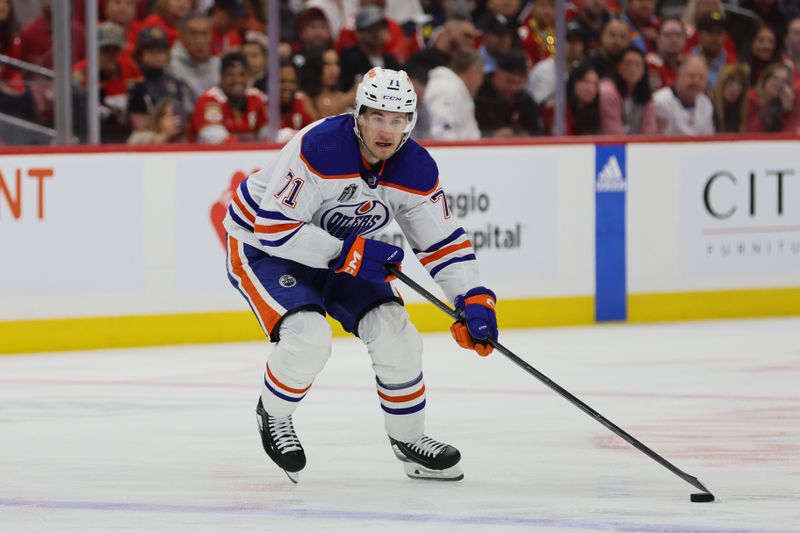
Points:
x=363, y=217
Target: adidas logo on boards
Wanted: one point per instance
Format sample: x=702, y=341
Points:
x=610, y=178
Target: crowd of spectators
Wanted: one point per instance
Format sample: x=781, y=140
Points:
x=196, y=70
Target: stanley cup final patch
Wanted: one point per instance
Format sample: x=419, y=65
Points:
x=287, y=281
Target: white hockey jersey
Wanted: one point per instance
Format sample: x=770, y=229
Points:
x=320, y=189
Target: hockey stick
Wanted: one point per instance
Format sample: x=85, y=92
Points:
x=563, y=392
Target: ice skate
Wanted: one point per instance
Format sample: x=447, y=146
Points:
x=281, y=443
x=426, y=458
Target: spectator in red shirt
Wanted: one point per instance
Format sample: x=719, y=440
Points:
x=663, y=64
x=763, y=51
x=397, y=43
x=296, y=110
x=791, y=45
x=225, y=16
x=773, y=102
x=230, y=112
x=118, y=75
x=583, y=101
x=167, y=14
x=9, y=45
x=37, y=42
x=538, y=32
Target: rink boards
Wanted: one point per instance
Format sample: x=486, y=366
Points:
x=105, y=249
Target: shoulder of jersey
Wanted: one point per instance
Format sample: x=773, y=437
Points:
x=412, y=169
x=330, y=149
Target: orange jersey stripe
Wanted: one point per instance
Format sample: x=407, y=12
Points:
x=247, y=214
x=276, y=228
x=327, y=176
x=444, y=251
x=284, y=387
x=412, y=191
x=406, y=398
x=269, y=317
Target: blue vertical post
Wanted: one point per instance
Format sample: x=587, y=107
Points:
x=610, y=272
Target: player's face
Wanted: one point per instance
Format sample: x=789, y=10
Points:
x=382, y=131
x=234, y=81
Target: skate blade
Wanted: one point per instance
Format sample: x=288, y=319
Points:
x=294, y=476
x=415, y=471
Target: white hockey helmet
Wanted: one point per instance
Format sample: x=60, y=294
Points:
x=386, y=90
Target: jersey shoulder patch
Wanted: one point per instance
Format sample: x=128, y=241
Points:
x=412, y=169
x=330, y=149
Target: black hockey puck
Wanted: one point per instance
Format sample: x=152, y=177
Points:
x=702, y=497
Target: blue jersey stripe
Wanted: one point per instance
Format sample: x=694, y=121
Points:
x=399, y=386
x=281, y=241
x=247, y=198
x=273, y=215
x=237, y=219
x=441, y=244
x=435, y=270
x=405, y=410
x=279, y=395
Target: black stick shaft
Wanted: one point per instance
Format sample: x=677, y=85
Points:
x=630, y=439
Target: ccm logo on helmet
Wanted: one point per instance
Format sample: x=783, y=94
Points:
x=390, y=97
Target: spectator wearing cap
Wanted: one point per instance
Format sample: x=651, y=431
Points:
x=640, y=15
x=614, y=40
x=167, y=15
x=191, y=60
x=458, y=33
x=592, y=17
x=499, y=38
x=626, y=104
x=503, y=108
x=118, y=75
x=711, y=36
x=449, y=98
x=684, y=108
x=538, y=31
x=542, y=78
x=36, y=41
x=662, y=65
x=763, y=51
x=401, y=40
x=696, y=10
x=152, y=56
x=230, y=112
x=371, y=34
x=225, y=16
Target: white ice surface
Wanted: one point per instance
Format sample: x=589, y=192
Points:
x=165, y=439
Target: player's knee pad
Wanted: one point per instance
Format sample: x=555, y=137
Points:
x=303, y=348
x=393, y=342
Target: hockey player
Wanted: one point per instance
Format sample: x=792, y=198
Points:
x=299, y=246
